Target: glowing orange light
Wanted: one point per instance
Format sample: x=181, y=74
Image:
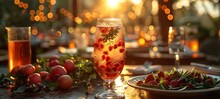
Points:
x=62, y=10
x=32, y=12
x=20, y=4
x=41, y=7
x=41, y=1
x=71, y=45
x=165, y=0
x=170, y=17
x=193, y=45
x=37, y=18
x=164, y=7
x=17, y=1
x=52, y=2
x=50, y=15
x=25, y=5
x=167, y=11
x=34, y=31
x=141, y=41
x=32, y=18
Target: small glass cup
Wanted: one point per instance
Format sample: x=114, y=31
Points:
x=19, y=46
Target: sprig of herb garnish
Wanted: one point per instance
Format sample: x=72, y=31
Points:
x=113, y=32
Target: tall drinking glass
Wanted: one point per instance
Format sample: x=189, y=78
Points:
x=176, y=42
x=19, y=46
x=109, y=54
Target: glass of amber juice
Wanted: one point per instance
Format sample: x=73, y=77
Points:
x=19, y=46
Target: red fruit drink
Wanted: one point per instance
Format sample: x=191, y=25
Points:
x=109, y=51
x=19, y=53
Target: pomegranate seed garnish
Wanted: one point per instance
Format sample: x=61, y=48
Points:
x=108, y=69
x=108, y=63
x=107, y=58
x=115, y=46
x=102, y=66
x=96, y=45
x=104, y=30
x=110, y=48
x=105, y=52
x=121, y=50
x=114, y=68
x=99, y=40
x=122, y=62
x=103, y=57
x=101, y=46
x=121, y=43
x=116, y=65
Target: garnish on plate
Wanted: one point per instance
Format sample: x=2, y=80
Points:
x=179, y=80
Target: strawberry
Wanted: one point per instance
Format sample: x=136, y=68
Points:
x=174, y=83
x=152, y=83
x=57, y=71
x=149, y=78
x=160, y=74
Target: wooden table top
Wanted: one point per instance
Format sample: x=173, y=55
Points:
x=121, y=86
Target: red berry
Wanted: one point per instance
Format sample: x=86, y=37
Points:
x=103, y=30
x=140, y=82
x=101, y=46
x=107, y=58
x=65, y=82
x=108, y=63
x=28, y=69
x=121, y=50
x=122, y=62
x=168, y=78
x=174, y=83
x=115, y=46
x=105, y=52
x=161, y=74
x=99, y=40
x=110, y=48
x=102, y=66
x=103, y=57
x=121, y=43
x=57, y=71
x=54, y=63
x=96, y=45
x=69, y=65
x=149, y=78
x=152, y=83
x=108, y=69
x=34, y=79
